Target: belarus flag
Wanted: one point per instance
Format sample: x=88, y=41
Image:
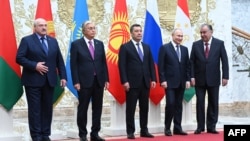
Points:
x=152, y=37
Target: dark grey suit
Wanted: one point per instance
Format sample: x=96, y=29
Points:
x=176, y=73
x=91, y=75
x=138, y=74
x=207, y=74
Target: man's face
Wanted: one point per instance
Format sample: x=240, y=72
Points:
x=89, y=31
x=177, y=37
x=206, y=33
x=136, y=33
x=41, y=27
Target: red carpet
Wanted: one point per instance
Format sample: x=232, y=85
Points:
x=190, y=137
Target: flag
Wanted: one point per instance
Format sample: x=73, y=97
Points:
x=10, y=73
x=152, y=37
x=80, y=15
x=119, y=34
x=44, y=11
x=182, y=20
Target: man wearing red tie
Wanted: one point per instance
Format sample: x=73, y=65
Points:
x=206, y=56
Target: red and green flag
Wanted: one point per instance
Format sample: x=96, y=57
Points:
x=44, y=11
x=10, y=73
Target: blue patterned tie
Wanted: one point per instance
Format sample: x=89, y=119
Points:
x=45, y=48
x=139, y=51
x=178, y=52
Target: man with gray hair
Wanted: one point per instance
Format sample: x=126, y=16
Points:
x=41, y=59
x=90, y=77
x=174, y=73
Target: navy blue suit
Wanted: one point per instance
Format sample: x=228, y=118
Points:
x=138, y=74
x=91, y=74
x=207, y=74
x=176, y=73
x=39, y=88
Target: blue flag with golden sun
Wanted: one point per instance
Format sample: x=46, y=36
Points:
x=80, y=15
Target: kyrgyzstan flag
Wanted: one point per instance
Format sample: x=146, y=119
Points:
x=182, y=20
x=119, y=34
x=10, y=73
x=152, y=37
x=44, y=11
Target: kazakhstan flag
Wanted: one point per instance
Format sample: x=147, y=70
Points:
x=80, y=15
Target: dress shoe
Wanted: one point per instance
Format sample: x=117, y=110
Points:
x=83, y=139
x=168, y=132
x=131, y=136
x=46, y=139
x=147, y=135
x=180, y=133
x=96, y=138
x=212, y=131
x=198, y=131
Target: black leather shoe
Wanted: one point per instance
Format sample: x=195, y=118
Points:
x=168, y=132
x=180, y=133
x=212, y=131
x=96, y=138
x=198, y=131
x=147, y=135
x=83, y=139
x=131, y=136
x=46, y=139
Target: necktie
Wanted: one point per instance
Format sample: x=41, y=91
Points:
x=45, y=48
x=91, y=49
x=139, y=51
x=206, y=50
x=178, y=52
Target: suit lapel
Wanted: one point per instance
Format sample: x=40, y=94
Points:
x=134, y=50
x=37, y=42
x=85, y=47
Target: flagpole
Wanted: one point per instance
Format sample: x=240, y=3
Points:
x=6, y=128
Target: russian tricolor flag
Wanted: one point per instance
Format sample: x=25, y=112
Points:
x=152, y=37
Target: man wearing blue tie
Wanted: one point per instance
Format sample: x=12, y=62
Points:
x=174, y=73
x=41, y=59
x=137, y=73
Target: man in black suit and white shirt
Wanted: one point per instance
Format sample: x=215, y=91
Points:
x=174, y=73
x=90, y=77
x=137, y=73
x=206, y=56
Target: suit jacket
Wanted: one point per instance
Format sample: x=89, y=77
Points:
x=83, y=66
x=172, y=70
x=207, y=70
x=132, y=69
x=30, y=52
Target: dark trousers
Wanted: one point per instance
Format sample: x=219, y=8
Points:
x=134, y=94
x=93, y=94
x=173, y=108
x=40, y=108
x=212, y=109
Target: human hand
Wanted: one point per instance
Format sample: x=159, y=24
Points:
x=41, y=68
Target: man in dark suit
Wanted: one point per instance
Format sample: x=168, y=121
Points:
x=41, y=59
x=206, y=56
x=174, y=73
x=90, y=77
x=137, y=73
